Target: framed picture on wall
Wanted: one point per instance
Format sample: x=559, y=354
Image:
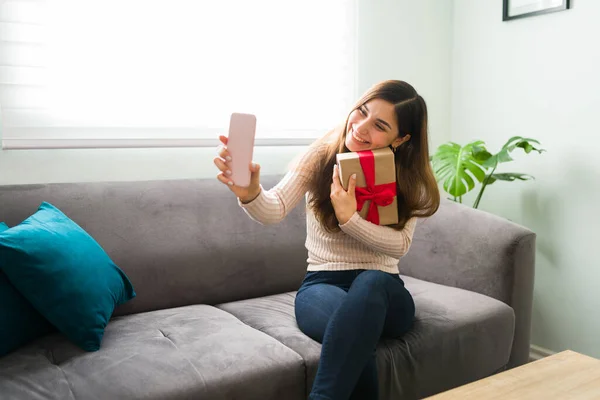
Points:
x=513, y=9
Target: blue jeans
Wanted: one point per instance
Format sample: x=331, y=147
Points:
x=348, y=312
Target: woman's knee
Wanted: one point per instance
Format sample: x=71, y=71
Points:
x=314, y=306
x=378, y=287
x=374, y=279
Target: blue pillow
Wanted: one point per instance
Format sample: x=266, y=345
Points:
x=20, y=323
x=65, y=274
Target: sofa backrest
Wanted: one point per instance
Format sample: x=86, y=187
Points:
x=180, y=242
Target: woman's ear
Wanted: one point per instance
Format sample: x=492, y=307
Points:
x=398, y=141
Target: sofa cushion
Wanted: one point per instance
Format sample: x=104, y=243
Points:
x=19, y=321
x=65, y=274
x=274, y=315
x=458, y=335
x=193, y=352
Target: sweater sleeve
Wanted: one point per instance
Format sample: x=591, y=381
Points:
x=272, y=206
x=384, y=239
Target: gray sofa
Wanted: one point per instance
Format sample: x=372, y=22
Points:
x=214, y=312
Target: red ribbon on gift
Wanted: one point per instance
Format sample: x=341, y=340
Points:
x=380, y=195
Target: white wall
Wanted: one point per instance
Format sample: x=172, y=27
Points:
x=410, y=41
x=398, y=39
x=539, y=77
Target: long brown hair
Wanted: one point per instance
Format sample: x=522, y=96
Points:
x=417, y=190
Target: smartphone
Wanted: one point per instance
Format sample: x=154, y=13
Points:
x=240, y=144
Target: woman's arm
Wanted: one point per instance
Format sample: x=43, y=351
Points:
x=272, y=206
x=384, y=239
x=380, y=238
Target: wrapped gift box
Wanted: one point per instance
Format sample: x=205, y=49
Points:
x=375, y=183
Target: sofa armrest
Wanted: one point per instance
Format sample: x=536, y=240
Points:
x=478, y=251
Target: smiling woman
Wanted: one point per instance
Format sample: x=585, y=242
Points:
x=372, y=126
x=352, y=294
x=390, y=114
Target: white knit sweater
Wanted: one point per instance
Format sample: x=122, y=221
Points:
x=360, y=244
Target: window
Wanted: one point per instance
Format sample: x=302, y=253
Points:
x=136, y=73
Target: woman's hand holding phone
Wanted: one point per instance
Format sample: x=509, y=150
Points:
x=245, y=194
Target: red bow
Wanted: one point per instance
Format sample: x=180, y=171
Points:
x=380, y=195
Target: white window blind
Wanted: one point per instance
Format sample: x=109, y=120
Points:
x=137, y=73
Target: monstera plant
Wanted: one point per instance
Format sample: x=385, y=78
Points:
x=460, y=168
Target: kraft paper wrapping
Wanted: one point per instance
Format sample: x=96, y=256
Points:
x=385, y=172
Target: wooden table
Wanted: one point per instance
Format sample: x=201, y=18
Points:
x=565, y=375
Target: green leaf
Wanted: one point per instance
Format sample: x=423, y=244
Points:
x=503, y=156
x=523, y=143
x=511, y=176
x=458, y=167
x=491, y=162
x=480, y=153
x=515, y=142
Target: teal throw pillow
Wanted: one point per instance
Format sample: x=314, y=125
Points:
x=20, y=323
x=65, y=274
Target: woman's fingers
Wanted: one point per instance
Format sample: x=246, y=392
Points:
x=223, y=153
x=221, y=165
x=352, y=185
x=254, y=175
x=222, y=150
x=221, y=162
x=336, y=177
x=225, y=179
